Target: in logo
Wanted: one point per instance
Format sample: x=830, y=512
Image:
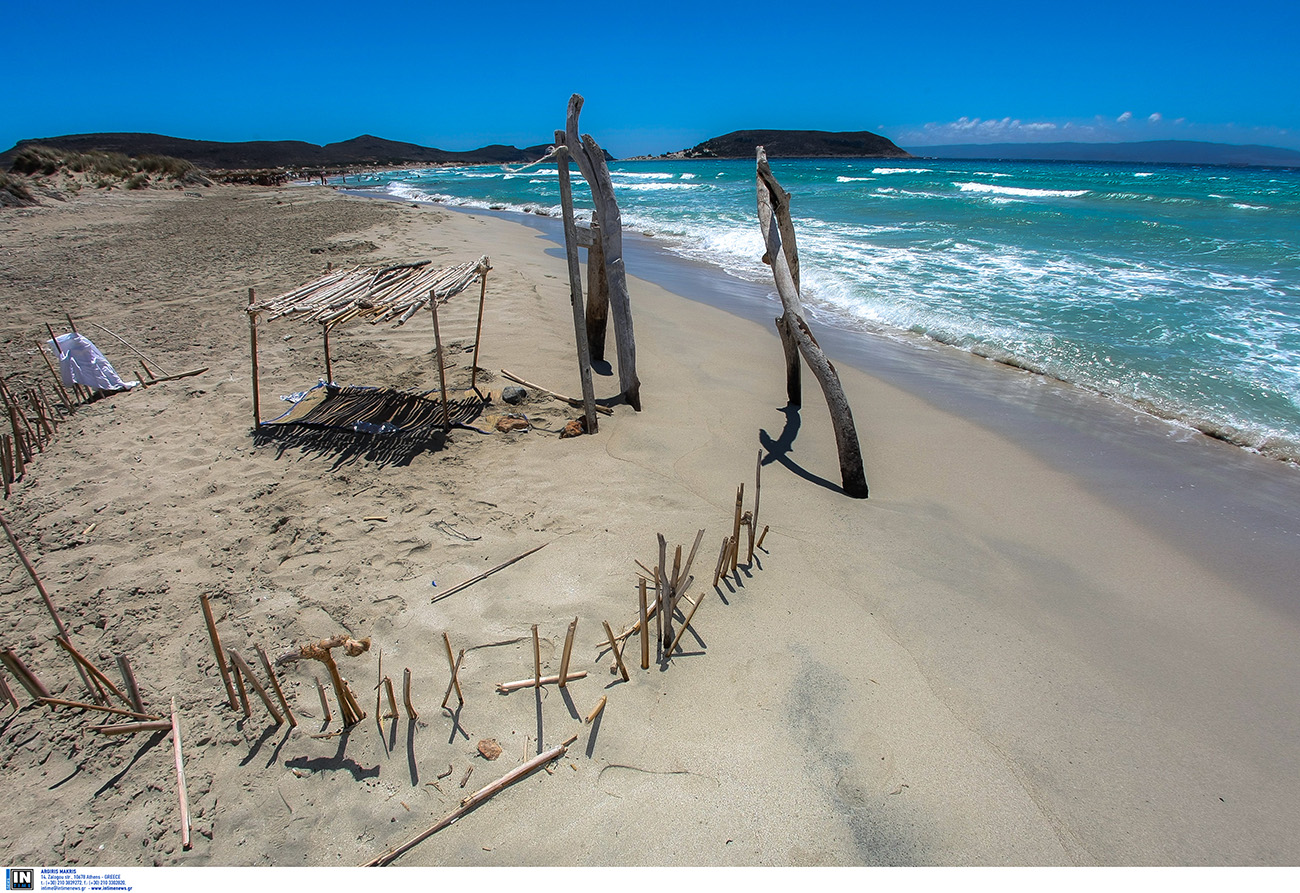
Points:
x=20, y=879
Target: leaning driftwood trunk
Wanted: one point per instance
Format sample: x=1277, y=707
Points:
x=591, y=162
x=778, y=238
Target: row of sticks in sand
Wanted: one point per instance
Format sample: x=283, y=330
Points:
x=669, y=589
x=99, y=686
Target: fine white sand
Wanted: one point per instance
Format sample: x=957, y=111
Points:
x=990, y=661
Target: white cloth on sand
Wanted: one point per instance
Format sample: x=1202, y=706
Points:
x=81, y=362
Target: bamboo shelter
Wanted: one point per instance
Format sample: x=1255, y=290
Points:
x=393, y=294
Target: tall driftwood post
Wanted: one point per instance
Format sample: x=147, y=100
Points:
x=575, y=289
x=591, y=162
x=483, y=268
x=783, y=257
x=597, y=296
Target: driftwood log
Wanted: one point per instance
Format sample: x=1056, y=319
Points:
x=782, y=255
x=575, y=289
x=591, y=162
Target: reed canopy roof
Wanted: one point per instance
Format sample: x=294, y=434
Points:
x=375, y=294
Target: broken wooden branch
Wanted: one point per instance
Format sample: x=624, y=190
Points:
x=759, y=544
x=591, y=162
x=507, y=687
x=645, y=640
x=595, y=711
x=735, y=530
x=572, y=401
x=487, y=574
x=537, y=658
x=392, y=699
x=685, y=624
x=319, y=650
x=243, y=693
x=778, y=236
x=471, y=802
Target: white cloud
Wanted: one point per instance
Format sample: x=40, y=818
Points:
x=1154, y=118
x=1124, y=118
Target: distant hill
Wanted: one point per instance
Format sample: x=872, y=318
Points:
x=362, y=150
x=797, y=144
x=1151, y=152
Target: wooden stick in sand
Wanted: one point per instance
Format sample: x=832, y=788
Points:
x=613, y=646
x=45, y=596
x=595, y=711
x=324, y=702
x=507, y=687
x=180, y=778
x=454, y=663
x=130, y=728
x=486, y=574
x=128, y=676
x=572, y=401
x=392, y=699
x=25, y=677
x=474, y=800
x=537, y=658
x=735, y=530
x=568, y=650
x=722, y=560
x=239, y=684
x=94, y=671
x=118, y=711
x=406, y=694
x=6, y=693
x=645, y=639
x=248, y=673
x=761, y=535
x=275, y=684
x=681, y=632
x=216, y=648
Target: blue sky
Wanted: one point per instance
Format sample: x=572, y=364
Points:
x=656, y=77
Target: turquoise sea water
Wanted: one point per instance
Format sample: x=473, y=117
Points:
x=1174, y=289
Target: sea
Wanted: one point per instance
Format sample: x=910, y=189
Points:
x=1172, y=290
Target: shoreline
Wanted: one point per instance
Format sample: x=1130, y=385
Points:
x=987, y=662
x=1214, y=497
x=755, y=292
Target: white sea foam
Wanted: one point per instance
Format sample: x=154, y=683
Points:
x=638, y=175
x=902, y=170
x=1020, y=192
x=1245, y=207
x=688, y=176
x=655, y=186
x=854, y=179
x=1143, y=174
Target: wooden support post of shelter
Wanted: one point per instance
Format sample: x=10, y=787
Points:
x=782, y=255
x=575, y=289
x=442, y=370
x=483, y=268
x=252, y=337
x=597, y=295
x=590, y=159
x=329, y=367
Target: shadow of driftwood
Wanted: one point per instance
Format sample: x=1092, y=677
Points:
x=779, y=450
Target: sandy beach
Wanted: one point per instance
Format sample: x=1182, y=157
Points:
x=1008, y=655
